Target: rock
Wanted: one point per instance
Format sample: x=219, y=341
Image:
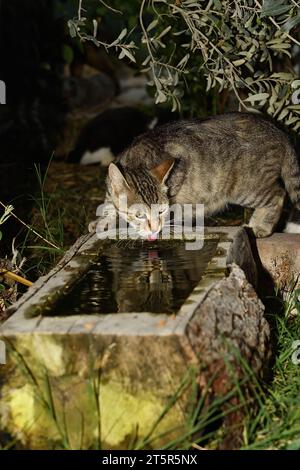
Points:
x=280, y=256
x=227, y=330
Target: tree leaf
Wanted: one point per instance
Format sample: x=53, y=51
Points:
x=239, y=62
x=161, y=97
x=291, y=23
x=183, y=61
x=152, y=25
x=164, y=32
x=257, y=97
x=283, y=76
x=274, y=8
x=283, y=114
x=122, y=34
x=125, y=52
x=72, y=29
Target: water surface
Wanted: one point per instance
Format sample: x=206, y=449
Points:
x=140, y=277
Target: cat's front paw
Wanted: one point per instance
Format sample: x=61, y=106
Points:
x=92, y=226
x=261, y=231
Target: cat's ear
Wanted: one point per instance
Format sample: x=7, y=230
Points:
x=162, y=171
x=117, y=180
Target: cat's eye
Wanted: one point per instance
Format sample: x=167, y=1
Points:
x=163, y=210
x=140, y=215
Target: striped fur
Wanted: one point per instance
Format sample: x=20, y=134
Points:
x=237, y=158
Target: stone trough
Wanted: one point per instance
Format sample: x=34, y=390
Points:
x=116, y=379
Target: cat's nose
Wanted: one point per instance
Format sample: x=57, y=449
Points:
x=154, y=227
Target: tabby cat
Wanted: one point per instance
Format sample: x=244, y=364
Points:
x=235, y=158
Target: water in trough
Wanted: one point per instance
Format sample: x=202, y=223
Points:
x=141, y=277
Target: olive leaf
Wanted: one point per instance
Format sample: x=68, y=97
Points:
x=291, y=23
x=257, y=97
x=274, y=8
x=247, y=48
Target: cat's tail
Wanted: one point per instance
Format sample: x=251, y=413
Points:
x=290, y=173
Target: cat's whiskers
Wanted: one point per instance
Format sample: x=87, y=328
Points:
x=173, y=225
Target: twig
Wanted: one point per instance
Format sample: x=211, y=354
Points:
x=30, y=228
x=231, y=81
x=79, y=9
x=16, y=277
x=148, y=44
x=111, y=8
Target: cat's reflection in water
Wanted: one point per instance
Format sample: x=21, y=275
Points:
x=148, y=286
x=146, y=277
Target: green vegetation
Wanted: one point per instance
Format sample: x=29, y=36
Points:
x=277, y=423
x=48, y=217
x=189, y=48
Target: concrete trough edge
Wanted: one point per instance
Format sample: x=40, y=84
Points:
x=111, y=324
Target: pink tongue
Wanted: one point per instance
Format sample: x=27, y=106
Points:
x=152, y=237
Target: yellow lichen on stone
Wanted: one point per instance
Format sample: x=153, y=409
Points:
x=122, y=413
x=50, y=353
x=26, y=416
x=44, y=373
x=45, y=352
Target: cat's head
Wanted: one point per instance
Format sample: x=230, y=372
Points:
x=145, y=194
